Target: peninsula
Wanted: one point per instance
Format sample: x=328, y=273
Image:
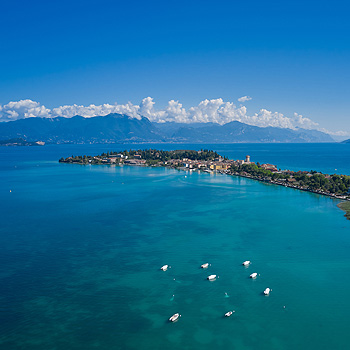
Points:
x=336, y=186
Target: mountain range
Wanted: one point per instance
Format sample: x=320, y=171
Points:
x=118, y=128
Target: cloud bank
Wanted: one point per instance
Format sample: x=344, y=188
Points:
x=215, y=111
x=244, y=99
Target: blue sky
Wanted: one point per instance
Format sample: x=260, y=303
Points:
x=289, y=56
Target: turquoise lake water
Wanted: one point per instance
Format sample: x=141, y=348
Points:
x=81, y=249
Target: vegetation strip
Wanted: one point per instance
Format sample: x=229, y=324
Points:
x=346, y=207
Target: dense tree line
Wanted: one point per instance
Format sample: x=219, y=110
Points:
x=333, y=183
x=160, y=155
x=152, y=156
x=338, y=184
x=257, y=171
x=80, y=159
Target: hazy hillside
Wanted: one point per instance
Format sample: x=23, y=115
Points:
x=120, y=128
x=238, y=132
x=106, y=129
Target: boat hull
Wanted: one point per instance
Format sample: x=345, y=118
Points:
x=174, y=317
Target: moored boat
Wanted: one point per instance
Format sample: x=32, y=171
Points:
x=211, y=277
x=267, y=291
x=205, y=266
x=174, y=317
x=229, y=313
x=253, y=275
x=164, y=267
x=246, y=263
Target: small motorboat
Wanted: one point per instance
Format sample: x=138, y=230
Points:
x=174, y=317
x=211, y=277
x=164, y=267
x=229, y=313
x=267, y=291
x=246, y=263
x=253, y=275
x=205, y=266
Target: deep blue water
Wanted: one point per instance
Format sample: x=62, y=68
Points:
x=81, y=248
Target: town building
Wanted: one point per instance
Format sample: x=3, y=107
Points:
x=270, y=167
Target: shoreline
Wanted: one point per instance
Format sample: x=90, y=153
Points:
x=345, y=206
x=333, y=186
x=343, y=198
x=334, y=196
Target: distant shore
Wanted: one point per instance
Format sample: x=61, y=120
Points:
x=20, y=142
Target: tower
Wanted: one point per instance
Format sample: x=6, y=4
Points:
x=247, y=159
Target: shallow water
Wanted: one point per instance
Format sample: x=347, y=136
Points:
x=82, y=246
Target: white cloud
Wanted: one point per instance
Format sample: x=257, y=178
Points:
x=175, y=112
x=336, y=133
x=215, y=111
x=244, y=99
x=147, y=110
x=93, y=110
x=23, y=109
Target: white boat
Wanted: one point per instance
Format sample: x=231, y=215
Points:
x=246, y=263
x=267, y=291
x=211, y=277
x=205, y=266
x=164, y=267
x=229, y=313
x=174, y=317
x=253, y=275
